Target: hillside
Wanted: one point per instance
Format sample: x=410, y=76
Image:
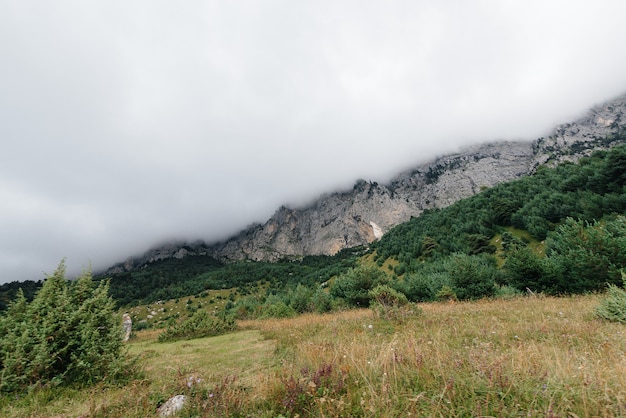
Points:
x=362, y=215
x=560, y=230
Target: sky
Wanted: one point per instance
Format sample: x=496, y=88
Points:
x=125, y=124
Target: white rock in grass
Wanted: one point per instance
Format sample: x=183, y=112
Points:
x=127, y=326
x=172, y=405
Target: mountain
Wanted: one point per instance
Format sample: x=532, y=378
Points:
x=359, y=216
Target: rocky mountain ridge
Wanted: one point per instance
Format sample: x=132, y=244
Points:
x=359, y=216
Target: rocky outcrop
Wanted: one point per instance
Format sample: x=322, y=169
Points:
x=333, y=222
x=454, y=177
x=599, y=129
x=361, y=215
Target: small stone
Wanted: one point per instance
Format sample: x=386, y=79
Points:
x=172, y=406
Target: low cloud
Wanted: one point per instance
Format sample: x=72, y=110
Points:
x=126, y=124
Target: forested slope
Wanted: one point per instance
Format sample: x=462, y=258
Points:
x=561, y=230
x=572, y=212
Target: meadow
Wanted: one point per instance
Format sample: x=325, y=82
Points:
x=527, y=356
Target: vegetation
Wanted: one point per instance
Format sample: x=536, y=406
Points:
x=9, y=291
x=199, y=324
x=178, y=278
x=68, y=335
x=612, y=307
x=527, y=356
x=572, y=221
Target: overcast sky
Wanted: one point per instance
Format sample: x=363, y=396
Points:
x=127, y=123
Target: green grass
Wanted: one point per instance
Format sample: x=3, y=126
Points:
x=158, y=314
x=242, y=353
x=538, y=247
x=530, y=356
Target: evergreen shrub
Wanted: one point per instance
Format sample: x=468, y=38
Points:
x=68, y=335
x=613, y=306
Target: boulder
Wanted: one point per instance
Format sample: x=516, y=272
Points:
x=172, y=406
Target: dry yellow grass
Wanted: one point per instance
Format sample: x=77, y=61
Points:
x=532, y=357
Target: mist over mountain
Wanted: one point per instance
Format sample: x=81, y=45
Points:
x=126, y=125
x=364, y=213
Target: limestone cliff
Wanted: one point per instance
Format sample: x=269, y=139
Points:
x=361, y=215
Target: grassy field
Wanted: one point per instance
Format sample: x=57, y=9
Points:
x=525, y=357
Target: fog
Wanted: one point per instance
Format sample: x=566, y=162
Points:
x=126, y=124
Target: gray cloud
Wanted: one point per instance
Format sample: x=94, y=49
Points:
x=126, y=124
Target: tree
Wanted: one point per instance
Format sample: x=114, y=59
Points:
x=524, y=269
x=588, y=256
x=473, y=277
x=355, y=284
x=68, y=334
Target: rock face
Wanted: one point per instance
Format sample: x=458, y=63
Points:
x=361, y=215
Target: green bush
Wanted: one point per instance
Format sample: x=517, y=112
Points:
x=587, y=256
x=355, y=284
x=423, y=286
x=473, y=277
x=387, y=302
x=277, y=309
x=446, y=294
x=322, y=301
x=300, y=299
x=507, y=292
x=198, y=325
x=68, y=334
x=613, y=306
x=524, y=269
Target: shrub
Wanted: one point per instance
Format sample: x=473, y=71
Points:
x=587, y=256
x=385, y=296
x=68, y=334
x=473, y=277
x=613, y=306
x=388, y=303
x=199, y=325
x=300, y=299
x=278, y=309
x=446, y=294
x=524, y=269
x=246, y=308
x=322, y=301
x=507, y=292
x=354, y=285
x=423, y=286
